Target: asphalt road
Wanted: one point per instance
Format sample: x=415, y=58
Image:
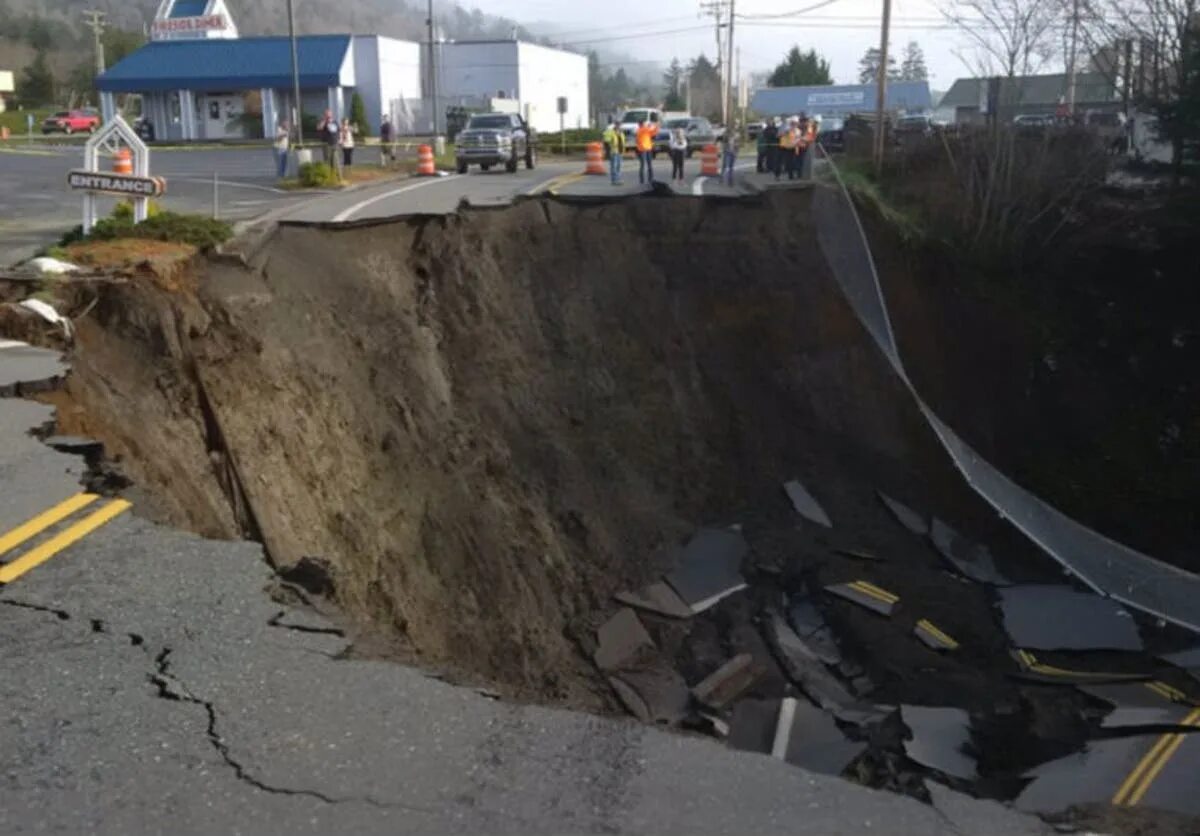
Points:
x=36, y=207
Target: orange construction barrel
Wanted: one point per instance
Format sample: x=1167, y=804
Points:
x=123, y=162
x=708, y=161
x=425, y=166
x=595, y=158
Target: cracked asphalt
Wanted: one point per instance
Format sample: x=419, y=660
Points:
x=150, y=684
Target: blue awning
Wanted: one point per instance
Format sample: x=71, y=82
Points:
x=228, y=64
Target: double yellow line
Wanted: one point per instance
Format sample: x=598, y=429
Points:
x=873, y=591
x=929, y=627
x=1030, y=663
x=39, y=554
x=1137, y=783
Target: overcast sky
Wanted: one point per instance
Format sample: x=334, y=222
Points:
x=841, y=31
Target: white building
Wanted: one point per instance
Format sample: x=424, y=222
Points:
x=472, y=73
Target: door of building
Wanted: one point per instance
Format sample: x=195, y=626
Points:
x=222, y=116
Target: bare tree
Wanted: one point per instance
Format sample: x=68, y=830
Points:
x=1006, y=37
x=1165, y=37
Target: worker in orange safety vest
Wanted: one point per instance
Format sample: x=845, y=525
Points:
x=646, y=133
x=789, y=140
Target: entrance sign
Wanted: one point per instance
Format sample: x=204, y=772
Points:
x=122, y=184
x=115, y=136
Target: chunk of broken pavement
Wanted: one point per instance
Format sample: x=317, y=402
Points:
x=1056, y=617
x=806, y=504
x=709, y=568
x=728, y=682
x=657, y=598
x=939, y=737
x=619, y=639
x=904, y=515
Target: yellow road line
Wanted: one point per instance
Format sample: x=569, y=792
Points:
x=874, y=591
x=928, y=626
x=1030, y=663
x=39, y=555
x=44, y=520
x=1138, y=782
x=565, y=181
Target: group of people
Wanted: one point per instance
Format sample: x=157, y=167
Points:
x=615, y=147
x=334, y=136
x=783, y=146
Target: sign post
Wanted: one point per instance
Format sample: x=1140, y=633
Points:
x=562, y=118
x=137, y=184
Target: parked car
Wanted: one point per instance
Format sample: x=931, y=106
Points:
x=493, y=138
x=909, y=128
x=1034, y=123
x=832, y=135
x=753, y=129
x=71, y=121
x=144, y=128
x=698, y=130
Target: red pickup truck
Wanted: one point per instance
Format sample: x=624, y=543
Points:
x=71, y=121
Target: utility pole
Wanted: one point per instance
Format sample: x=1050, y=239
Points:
x=94, y=20
x=881, y=86
x=1127, y=81
x=433, y=97
x=298, y=103
x=1072, y=52
x=732, y=77
x=715, y=8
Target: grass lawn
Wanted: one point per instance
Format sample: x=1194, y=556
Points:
x=14, y=120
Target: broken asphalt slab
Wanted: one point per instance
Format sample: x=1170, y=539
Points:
x=907, y=517
x=812, y=740
x=971, y=560
x=710, y=568
x=1156, y=770
x=1140, y=704
x=22, y=364
x=620, y=639
x=657, y=598
x=866, y=595
x=939, y=739
x=1056, y=617
x=806, y=504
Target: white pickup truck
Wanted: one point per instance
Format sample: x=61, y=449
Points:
x=635, y=116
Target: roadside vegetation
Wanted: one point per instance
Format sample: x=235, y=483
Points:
x=198, y=231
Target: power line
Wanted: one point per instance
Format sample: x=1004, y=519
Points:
x=793, y=13
x=634, y=36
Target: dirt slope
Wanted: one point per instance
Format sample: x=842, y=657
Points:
x=490, y=422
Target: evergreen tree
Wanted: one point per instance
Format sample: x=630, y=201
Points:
x=358, y=114
x=868, y=67
x=912, y=66
x=36, y=85
x=800, y=69
x=673, y=81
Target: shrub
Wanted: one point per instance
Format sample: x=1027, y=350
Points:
x=199, y=231
x=124, y=210
x=358, y=115
x=317, y=175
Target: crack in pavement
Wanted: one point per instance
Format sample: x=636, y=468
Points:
x=172, y=689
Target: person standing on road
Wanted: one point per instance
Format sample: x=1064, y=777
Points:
x=803, y=137
x=283, y=134
x=346, y=141
x=787, y=151
x=730, y=141
x=328, y=129
x=768, y=147
x=646, y=133
x=678, y=145
x=614, y=146
x=387, y=149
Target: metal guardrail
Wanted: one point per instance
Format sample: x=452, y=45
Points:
x=1106, y=566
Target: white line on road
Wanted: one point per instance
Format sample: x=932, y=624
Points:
x=347, y=214
x=698, y=184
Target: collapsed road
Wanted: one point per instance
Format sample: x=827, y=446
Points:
x=542, y=451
